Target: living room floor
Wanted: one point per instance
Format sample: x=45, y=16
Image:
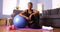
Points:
x=4, y=29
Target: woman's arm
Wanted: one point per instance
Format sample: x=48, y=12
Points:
x=34, y=13
x=23, y=14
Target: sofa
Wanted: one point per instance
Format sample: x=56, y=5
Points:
x=15, y=12
x=51, y=17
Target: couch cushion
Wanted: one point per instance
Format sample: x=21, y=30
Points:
x=49, y=12
x=15, y=12
x=53, y=16
x=54, y=11
x=46, y=12
x=59, y=11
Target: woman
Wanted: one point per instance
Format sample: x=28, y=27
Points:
x=29, y=15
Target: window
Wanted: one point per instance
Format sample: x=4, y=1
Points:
x=8, y=6
x=40, y=7
x=55, y=4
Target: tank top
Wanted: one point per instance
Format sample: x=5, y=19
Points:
x=27, y=14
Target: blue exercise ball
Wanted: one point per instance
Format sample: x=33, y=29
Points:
x=19, y=21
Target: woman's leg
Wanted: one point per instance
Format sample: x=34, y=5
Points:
x=35, y=23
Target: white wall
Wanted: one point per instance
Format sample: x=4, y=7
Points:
x=23, y=4
x=35, y=2
x=46, y=3
x=1, y=3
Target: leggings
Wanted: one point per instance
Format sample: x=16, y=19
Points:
x=34, y=24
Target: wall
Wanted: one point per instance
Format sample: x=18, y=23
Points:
x=47, y=5
x=34, y=3
x=1, y=5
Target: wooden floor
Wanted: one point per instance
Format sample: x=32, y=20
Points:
x=4, y=29
x=25, y=31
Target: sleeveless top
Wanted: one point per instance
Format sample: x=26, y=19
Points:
x=27, y=14
x=34, y=18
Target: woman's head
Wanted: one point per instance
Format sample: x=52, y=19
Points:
x=30, y=5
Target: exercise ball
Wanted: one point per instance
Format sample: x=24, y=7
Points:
x=19, y=21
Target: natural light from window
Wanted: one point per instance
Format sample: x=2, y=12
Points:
x=10, y=5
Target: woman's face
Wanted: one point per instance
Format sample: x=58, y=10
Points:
x=29, y=6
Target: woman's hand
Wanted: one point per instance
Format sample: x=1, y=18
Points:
x=30, y=17
x=27, y=18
